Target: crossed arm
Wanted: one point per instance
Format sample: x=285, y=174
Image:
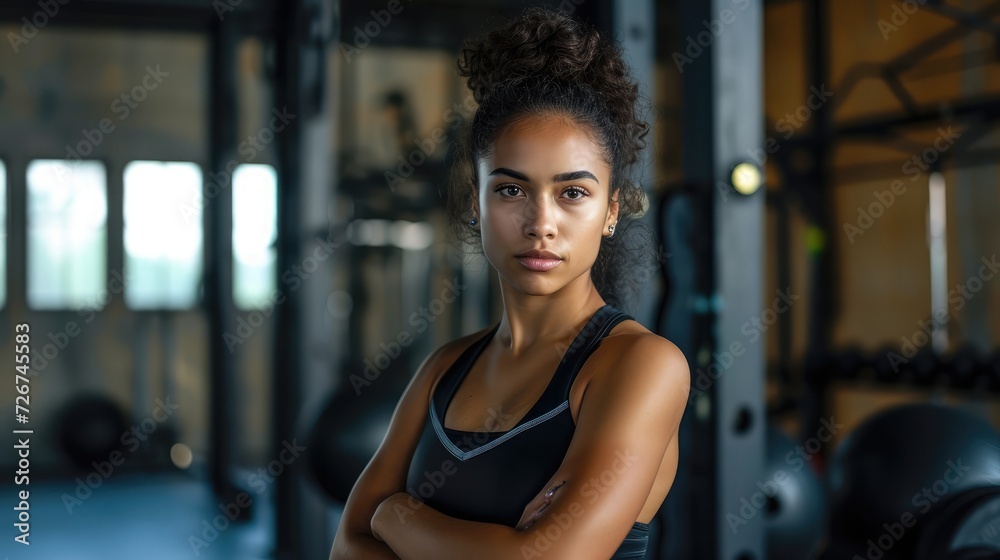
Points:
x=627, y=419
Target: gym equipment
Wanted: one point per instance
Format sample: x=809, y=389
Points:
x=796, y=511
x=975, y=553
x=967, y=526
x=925, y=367
x=887, y=366
x=901, y=464
x=352, y=425
x=847, y=363
x=90, y=428
x=966, y=367
x=993, y=371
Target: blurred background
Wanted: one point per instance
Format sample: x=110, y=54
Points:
x=224, y=252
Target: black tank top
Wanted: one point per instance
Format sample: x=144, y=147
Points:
x=491, y=476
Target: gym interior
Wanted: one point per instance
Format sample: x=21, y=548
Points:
x=225, y=251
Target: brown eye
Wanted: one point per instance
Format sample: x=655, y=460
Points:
x=506, y=188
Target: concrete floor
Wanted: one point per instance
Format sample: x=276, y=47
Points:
x=134, y=517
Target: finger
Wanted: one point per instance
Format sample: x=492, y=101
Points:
x=534, y=509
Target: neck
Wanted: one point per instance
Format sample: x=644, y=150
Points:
x=552, y=321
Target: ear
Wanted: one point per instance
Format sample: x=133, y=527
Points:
x=613, y=209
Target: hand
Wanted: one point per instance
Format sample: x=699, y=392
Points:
x=535, y=508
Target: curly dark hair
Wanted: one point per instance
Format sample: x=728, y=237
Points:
x=547, y=63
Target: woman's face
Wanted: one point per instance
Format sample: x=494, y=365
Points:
x=545, y=187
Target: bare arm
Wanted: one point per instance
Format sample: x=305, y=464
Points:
x=360, y=546
x=385, y=474
x=626, y=423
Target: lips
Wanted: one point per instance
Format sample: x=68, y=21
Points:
x=538, y=260
x=538, y=254
x=537, y=264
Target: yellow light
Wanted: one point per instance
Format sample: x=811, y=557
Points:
x=181, y=456
x=746, y=178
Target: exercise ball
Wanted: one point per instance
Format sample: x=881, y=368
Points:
x=90, y=427
x=796, y=510
x=895, y=469
x=967, y=524
x=974, y=553
x=353, y=423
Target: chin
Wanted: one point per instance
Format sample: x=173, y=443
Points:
x=534, y=283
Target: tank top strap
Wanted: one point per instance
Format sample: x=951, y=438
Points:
x=576, y=354
x=557, y=391
x=453, y=376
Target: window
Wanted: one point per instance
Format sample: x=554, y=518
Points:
x=67, y=233
x=255, y=228
x=162, y=208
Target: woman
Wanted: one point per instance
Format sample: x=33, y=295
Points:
x=552, y=434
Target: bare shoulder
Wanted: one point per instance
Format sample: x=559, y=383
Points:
x=646, y=356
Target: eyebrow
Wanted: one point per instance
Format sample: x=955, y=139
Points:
x=558, y=178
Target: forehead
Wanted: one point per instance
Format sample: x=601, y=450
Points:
x=544, y=144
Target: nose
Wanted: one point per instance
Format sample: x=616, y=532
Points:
x=540, y=219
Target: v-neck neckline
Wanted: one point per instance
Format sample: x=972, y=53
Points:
x=531, y=418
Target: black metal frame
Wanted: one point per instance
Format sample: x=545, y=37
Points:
x=252, y=16
x=726, y=426
x=813, y=186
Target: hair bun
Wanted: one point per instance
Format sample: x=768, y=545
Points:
x=545, y=45
x=540, y=44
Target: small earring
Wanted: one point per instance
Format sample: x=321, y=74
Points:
x=611, y=228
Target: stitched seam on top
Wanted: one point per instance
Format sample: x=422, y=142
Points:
x=463, y=455
x=438, y=425
x=606, y=327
